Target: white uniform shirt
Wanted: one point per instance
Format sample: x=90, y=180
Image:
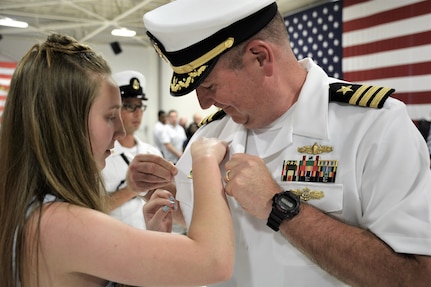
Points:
x=157, y=134
x=114, y=175
x=175, y=135
x=382, y=181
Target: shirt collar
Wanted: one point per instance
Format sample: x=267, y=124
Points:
x=310, y=117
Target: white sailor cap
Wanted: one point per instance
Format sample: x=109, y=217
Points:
x=192, y=34
x=131, y=84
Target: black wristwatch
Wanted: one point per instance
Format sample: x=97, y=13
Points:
x=284, y=205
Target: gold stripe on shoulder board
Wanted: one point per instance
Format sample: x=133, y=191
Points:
x=359, y=95
x=213, y=117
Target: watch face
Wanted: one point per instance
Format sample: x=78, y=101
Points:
x=285, y=204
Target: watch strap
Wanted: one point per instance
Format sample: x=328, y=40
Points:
x=274, y=221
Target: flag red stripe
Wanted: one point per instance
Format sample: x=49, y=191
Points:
x=7, y=69
x=389, y=72
x=4, y=76
x=414, y=98
x=2, y=99
x=347, y=3
x=375, y=41
x=412, y=40
x=11, y=65
x=388, y=16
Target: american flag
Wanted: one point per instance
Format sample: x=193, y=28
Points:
x=6, y=71
x=378, y=42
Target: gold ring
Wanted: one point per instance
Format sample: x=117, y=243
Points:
x=227, y=175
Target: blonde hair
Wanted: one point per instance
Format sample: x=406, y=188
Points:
x=44, y=140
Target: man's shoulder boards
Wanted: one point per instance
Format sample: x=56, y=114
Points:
x=213, y=117
x=359, y=95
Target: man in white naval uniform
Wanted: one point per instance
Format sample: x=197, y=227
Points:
x=158, y=128
x=127, y=204
x=329, y=180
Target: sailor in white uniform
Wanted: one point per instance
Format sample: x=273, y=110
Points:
x=334, y=190
x=129, y=203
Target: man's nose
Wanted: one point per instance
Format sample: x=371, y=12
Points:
x=205, y=100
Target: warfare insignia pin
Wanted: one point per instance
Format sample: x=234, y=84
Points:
x=306, y=194
x=315, y=149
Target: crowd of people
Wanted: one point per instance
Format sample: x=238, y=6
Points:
x=295, y=181
x=171, y=135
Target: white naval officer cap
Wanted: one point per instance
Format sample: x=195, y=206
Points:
x=191, y=34
x=131, y=84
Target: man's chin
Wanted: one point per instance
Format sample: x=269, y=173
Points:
x=239, y=119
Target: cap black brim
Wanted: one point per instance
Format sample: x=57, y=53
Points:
x=183, y=84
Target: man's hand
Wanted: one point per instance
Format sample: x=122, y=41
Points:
x=251, y=184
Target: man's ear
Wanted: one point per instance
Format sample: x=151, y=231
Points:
x=262, y=53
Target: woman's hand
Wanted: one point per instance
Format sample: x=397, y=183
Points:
x=208, y=147
x=158, y=211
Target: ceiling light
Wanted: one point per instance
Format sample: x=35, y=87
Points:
x=13, y=23
x=123, y=32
